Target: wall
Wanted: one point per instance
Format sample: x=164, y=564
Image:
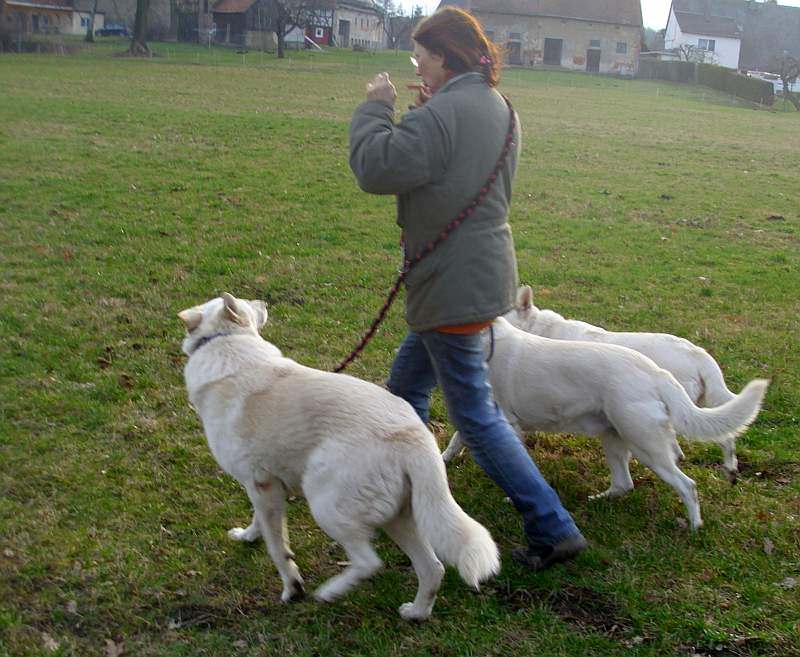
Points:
x=366, y=29
x=77, y=28
x=576, y=41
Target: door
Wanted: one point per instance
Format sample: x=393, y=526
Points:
x=514, y=49
x=552, y=51
x=593, y=60
x=344, y=34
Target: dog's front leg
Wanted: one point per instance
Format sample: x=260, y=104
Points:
x=249, y=534
x=269, y=504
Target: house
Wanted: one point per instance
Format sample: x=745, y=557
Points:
x=737, y=34
x=48, y=17
x=318, y=21
x=246, y=23
x=704, y=36
x=359, y=24
x=598, y=36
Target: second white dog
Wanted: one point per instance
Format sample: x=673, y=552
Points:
x=692, y=366
x=612, y=392
x=360, y=455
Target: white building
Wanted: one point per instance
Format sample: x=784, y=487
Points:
x=707, y=38
x=359, y=23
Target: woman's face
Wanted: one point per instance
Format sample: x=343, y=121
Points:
x=430, y=67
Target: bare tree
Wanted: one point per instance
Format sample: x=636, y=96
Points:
x=90, y=28
x=690, y=53
x=290, y=14
x=139, y=47
x=788, y=69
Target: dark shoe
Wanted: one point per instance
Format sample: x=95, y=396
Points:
x=541, y=557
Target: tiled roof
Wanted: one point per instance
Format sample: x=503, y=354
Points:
x=232, y=6
x=719, y=26
x=620, y=12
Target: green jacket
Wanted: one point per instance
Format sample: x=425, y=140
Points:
x=436, y=159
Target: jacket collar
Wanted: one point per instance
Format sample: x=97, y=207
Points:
x=472, y=76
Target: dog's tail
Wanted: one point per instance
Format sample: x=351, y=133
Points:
x=719, y=424
x=457, y=539
x=715, y=392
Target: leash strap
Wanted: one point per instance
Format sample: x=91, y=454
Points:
x=410, y=263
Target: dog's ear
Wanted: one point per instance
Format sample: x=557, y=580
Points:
x=191, y=318
x=260, y=309
x=524, y=299
x=231, y=310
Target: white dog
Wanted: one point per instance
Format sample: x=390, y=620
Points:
x=612, y=392
x=692, y=366
x=360, y=455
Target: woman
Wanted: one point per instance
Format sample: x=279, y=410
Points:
x=435, y=160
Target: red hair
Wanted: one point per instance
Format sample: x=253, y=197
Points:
x=458, y=37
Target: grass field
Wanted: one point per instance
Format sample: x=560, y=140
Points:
x=130, y=190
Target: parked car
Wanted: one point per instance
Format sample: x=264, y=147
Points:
x=113, y=29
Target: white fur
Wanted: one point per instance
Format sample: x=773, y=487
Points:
x=693, y=367
x=360, y=455
x=612, y=392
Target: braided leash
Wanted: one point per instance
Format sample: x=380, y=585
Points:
x=410, y=263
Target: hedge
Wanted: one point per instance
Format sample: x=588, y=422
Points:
x=716, y=77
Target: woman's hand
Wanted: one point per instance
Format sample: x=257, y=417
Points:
x=381, y=88
x=424, y=93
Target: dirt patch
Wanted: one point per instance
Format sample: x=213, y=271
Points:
x=588, y=610
x=737, y=647
x=780, y=473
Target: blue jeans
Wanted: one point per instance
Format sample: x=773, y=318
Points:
x=457, y=364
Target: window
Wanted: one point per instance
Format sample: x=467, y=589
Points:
x=622, y=47
x=319, y=33
x=205, y=6
x=489, y=34
x=514, y=36
x=706, y=44
x=594, y=43
x=84, y=21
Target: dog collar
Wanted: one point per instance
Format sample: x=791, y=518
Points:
x=205, y=340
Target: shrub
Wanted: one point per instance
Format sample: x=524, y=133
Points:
x=723, y=79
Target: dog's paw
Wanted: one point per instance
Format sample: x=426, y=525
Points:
x=610, y=493
x=293, y=591
x=326, y=594
x=410, y=612
x=247, y=535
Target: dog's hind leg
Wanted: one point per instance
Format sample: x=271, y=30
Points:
x=730, y=463
x=403, y=531
x=353, y=535
x=269, y=503
x=454, y=448
x=665, y=467
x=618, y=457
x=249, y=534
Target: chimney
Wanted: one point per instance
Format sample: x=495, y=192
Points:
x=707, y=10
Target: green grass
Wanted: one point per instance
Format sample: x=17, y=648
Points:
x=130, y=190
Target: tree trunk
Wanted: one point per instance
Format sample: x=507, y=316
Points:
x=90, y=29
x=139, y=46
x=280, y=29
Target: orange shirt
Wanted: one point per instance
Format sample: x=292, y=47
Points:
x=464, y=329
